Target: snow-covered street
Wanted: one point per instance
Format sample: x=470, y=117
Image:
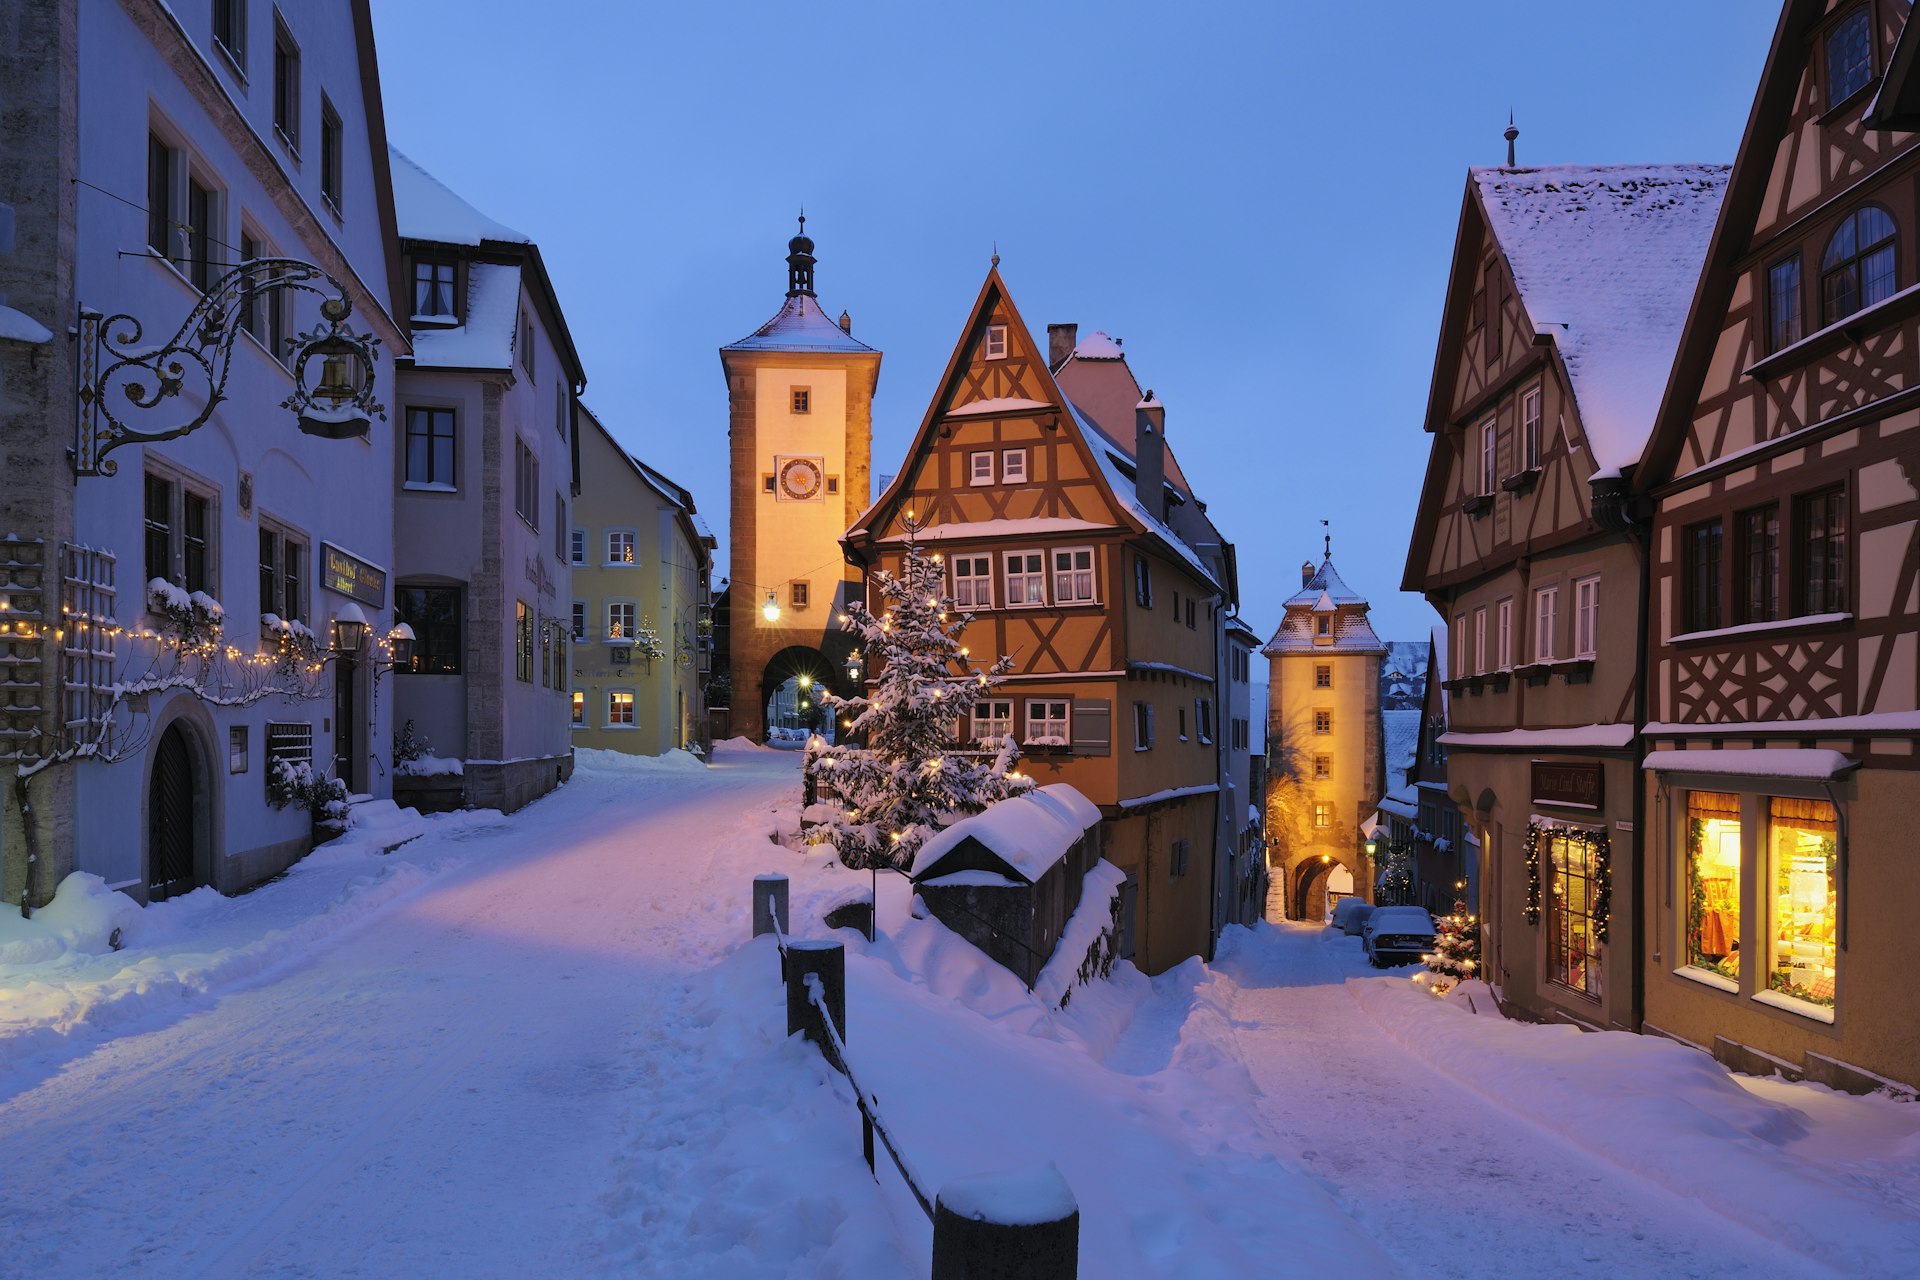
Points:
x=544, y=1045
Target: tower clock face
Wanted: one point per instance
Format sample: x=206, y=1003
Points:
x=801, y=479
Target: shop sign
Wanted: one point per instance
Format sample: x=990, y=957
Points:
x=1575, y=786
x=348, y=574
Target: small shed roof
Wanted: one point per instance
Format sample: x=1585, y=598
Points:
x=1029, y=832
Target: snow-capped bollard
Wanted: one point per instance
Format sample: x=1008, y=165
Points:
x=1007, y=1226
x=826, y=963
x=769, y=900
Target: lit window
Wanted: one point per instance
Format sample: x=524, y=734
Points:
x=523, y=641
x=620, y=546
x=619, y=709
x=1047, y=723
x=1574, y=951
x=992, y=719
x=1713, y=882
x=1073, y=576
x=579, y=709
x=1322, y=815
x=1803, y=849
x=620, y=620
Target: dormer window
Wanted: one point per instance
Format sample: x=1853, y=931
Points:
x=1857, y=269
x=433, y=297
x=996, y=344
x=1323, y=625
x=1849, y=56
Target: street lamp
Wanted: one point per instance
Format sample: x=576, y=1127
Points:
x=195, y=362
x=771, y=609
x=854, y=660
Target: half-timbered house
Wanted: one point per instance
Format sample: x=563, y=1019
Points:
x=1070, y=535
x=1567, y=293
x=1784, y=635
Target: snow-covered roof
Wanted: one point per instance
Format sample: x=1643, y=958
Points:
x=1325, y=581
x=486, y=340
x=1606, y=258
x=427, y=209
x=1029, y=832
x=1591, y=737
x=1111, y=462
x=997, y=404
x=799, y=325
x=1098, y=346
x=18, y=326
x=1763, y=762
x=1325, y=592
x=1401, y=729
x=1033, y=526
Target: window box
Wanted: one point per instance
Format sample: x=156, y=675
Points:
x=1478, y=505
x=1576, y=670
x=1534, y=674
x=1500, y=681
x=1521, y=482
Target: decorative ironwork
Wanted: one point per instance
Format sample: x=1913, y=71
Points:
x=197, y=359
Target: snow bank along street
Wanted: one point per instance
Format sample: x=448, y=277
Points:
x=544, y=1045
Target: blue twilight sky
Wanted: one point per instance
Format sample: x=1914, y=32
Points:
x=1259, y=198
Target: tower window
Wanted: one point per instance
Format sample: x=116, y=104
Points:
x=803, y=399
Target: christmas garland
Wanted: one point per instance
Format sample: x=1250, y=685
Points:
x=1596, y=843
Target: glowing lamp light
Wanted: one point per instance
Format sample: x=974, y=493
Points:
x=806, y=682
x=1370, y=847
x=771, y=609
x=400, y=644
x=349, y=628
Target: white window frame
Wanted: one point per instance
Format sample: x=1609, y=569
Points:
x=1025, y=578
x=1586, y=616
x=633, y=708
x=980, y=468
x=995, y=346
x=1013, y=466
x=1480, y=640
x=973, y=591
x=577, y=709
x=577, y=545
x=1504, y=630
x=579, y=616
x=1530, y=428
x=1489, y=456
x=996, y=726
x=1072, y=574
x=632, y=622
x=632, y=537
x=1047, y=736
x=1546, y=617
x=1143, y=726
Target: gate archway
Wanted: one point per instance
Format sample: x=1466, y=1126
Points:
x=790, y=686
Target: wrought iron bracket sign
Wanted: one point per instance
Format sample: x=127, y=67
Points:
x=334, y=402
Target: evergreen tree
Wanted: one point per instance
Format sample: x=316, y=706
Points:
x=1456, y=945
x=901, y=777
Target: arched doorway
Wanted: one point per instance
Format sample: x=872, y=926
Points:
x=790, y=690
x=1312, y=880
x=173, y=817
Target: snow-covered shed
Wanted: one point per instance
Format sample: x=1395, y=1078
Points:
x=1008, y=878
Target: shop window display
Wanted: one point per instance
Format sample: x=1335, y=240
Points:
x=1573, y=943
x=1713, y=882
x=1803, y=844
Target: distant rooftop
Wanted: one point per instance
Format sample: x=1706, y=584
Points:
x=428, y=209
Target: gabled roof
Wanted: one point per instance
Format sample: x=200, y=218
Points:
x=1605, y=258
x=1322, y=593
x=675, y=495
x=1112, y=464
x=799, y=325
x=428, y=209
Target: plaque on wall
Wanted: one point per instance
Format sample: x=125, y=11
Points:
x=620, y=657
x=1570, y=785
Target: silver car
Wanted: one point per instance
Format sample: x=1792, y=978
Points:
x=1397, y=935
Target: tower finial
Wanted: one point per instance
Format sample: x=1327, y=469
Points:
x=1510, y=135
x=1328, y=539
x=800, y=261
x=996, y=254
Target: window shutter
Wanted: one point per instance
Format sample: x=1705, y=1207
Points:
x=1092, y=726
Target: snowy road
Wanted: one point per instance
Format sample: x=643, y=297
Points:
x=1443, y=1180
x=439, y=1091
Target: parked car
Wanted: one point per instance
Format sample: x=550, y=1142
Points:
x=1397, y=935
x=1351, y=913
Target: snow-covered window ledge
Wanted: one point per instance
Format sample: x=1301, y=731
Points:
x=1805, y=622
x=1708, y=978
x=1848, y=329
x=1804, y=1008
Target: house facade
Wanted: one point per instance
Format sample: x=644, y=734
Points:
x=197, y=581
x=641, y=613
x=1241, y=879
x=1783, y=644
x=1564, y=303
x=483, y=458
x=1059, y=514
x=1325, y=756
x=800, y=433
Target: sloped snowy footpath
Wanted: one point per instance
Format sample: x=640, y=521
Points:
x=545, y=1045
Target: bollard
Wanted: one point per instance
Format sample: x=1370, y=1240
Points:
x=772, y=886
x=1007, y=1226
x=826, y=961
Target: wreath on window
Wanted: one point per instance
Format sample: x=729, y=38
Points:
x=1599, y=850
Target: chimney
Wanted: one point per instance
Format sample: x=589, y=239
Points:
x=1306, y=572
x=1061, y=340
x=1150, y=455
x=846, y=324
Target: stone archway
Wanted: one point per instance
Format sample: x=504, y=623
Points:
x=180, y=802
x=789, y=686
x=1307, y=884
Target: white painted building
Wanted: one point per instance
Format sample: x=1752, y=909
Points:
x=188, y=138
x=487, y=475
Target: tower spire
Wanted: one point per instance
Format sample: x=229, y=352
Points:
x=1510, y=135
x=800, y=261
x=1328, y=538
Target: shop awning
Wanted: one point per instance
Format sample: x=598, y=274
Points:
x=1759, y=762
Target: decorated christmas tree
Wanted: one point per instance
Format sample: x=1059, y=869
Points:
x=899, y=775
x=1456, y=947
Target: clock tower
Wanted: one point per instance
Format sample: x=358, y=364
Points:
x=800, y=428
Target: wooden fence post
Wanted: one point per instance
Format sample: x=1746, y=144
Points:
x=826, y=961
x=1009, y=1226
